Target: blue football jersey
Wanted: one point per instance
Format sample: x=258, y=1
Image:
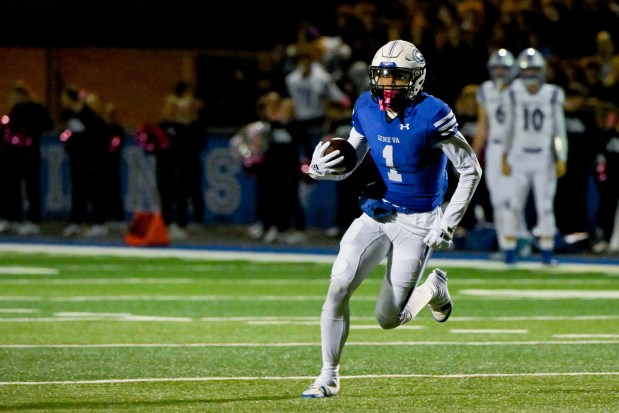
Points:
x=404, y=151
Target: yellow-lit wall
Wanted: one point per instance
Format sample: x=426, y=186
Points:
x=135, y=81
x=26, y=64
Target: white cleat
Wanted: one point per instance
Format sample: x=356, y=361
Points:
x=72, y=230
x=28, y=228
x=322, y=387
x=271, y=235
x=440, y=304
x=255, y=231
x=177, y=232
x=96, y=231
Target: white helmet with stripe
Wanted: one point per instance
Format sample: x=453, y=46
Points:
x=531, y=67
x=401, y=60
x=502, y=67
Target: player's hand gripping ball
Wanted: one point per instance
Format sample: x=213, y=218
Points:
x=346, y=150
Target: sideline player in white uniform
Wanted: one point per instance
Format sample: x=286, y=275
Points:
x=535, y=152
x=410, y=136
x=490, y=138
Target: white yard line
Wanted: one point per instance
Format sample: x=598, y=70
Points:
x=316, y=344
x=496, y=294
x=458, y=279
x=101, y=281
x=89, y=316
x=281, y=378
x=28, y=271
x=487, y=331
x=219, y=255
x=102, y=298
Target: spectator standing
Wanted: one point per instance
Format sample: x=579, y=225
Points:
x=535, y=150
x=113, y=164
x=85, y=139
x=585, y=142
x=247, y=147
x=608, y=184
x=312, y=88
x=271, y=149
x=604, y=52
x=20, y=159
x=179, y=167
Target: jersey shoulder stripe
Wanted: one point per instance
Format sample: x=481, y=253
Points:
x=439, y=114
x=447, y=125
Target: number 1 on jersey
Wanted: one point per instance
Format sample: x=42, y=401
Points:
x=393, y=174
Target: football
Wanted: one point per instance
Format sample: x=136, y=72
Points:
x=346, y=150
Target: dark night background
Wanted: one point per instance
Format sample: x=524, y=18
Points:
x=156, y=23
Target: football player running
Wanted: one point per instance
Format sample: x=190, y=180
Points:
x=490, y=138
x=535, y=151
x=410, y=135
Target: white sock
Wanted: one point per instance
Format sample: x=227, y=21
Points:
x=418, y=300
x=333, y=334
x=330, y=372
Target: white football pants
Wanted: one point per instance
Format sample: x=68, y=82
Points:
x=537, y=171
x=500, y=188
x=365, y=244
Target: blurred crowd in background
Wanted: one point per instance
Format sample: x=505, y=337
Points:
x=301, y=90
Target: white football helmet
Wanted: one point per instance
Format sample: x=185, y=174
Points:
x=397, y=59
x=502, y=68
x=531, y=67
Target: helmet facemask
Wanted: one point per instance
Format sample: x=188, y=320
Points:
x=501, y=76
x=399, y=92
x=532, y=77
x=397, y=73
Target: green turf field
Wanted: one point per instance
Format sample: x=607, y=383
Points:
x=145, y=334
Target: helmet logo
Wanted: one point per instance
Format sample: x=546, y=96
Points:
x=418, y=57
